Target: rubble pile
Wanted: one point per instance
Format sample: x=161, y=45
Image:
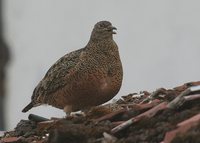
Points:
x=163, y=116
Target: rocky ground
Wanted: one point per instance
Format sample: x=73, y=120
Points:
x=163, y=116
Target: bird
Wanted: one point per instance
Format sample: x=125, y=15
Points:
x=83, y=78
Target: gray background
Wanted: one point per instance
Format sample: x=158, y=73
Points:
x=159, y=43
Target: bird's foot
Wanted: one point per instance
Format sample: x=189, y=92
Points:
x=74, y=115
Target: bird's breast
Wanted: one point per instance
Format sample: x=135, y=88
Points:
x=105, y=84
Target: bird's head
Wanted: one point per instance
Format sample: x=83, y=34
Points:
x=103, y=30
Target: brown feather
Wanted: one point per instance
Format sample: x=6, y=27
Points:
x=84, y=78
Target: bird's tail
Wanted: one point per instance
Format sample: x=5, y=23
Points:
x=28, y=107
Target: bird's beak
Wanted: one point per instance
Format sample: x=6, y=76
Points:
x=111, y=29
x=114, y=28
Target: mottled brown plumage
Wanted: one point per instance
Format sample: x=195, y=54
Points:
x=83, y=78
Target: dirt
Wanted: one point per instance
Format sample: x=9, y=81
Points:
x=98, y=123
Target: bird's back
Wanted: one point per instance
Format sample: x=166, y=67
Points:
x=55, y=78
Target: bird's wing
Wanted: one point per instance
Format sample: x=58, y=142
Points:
x=55, y=77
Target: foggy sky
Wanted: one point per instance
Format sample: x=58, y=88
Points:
x=158, y=42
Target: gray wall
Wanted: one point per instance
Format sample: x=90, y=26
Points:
x=159, y=42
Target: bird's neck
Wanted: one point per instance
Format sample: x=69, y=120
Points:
x=97, y=40
x=105, y=46
x=100, y=42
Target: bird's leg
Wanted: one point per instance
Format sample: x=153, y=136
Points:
x=68, y=109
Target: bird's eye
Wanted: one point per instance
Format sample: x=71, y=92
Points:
x=101, y=26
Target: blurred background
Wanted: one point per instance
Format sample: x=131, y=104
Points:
x=159, y=43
